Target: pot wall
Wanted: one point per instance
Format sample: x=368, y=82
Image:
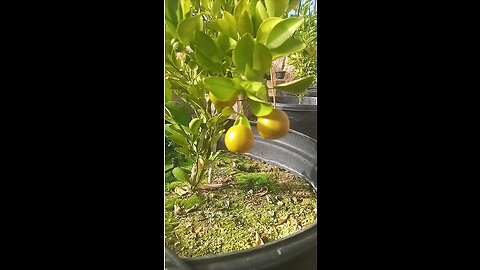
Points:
x=303, y=117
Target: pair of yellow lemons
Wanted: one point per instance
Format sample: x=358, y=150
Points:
x=239, y=139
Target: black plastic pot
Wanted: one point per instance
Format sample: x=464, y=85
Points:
x=297, y=153
x=303, y=116
x=280, y=74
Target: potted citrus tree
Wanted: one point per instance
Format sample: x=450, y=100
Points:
x=217, y=54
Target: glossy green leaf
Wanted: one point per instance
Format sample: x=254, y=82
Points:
x=179, y=113
x=182, y=130
x=242, y=120
x=225, y=43
x=282, y=31
x=221, y=87
x=227, y=111
x=173, y=15
x=180, y=174
x=227, y=25
x=168, y=91
x=259, y=108
x=257, y=89
x=276, y=8
x=241, y=6
x=291, y=45
x=252, y=75
x=194, y=125
x=231, y=24
x=205, y=43
x=216, y=7
x=206, y=53
x=266, y=28
x=293, y=4
x=183, y=150
x=245, y=24
x=206, y=63
x=187, y=27
x=243, y=53
x=205, y=3
x=186, y=6
x=296, y=87
x=259, y=15
x=178, y=139
x=261, y=11
x=216, y=137
x=193, y=90
x=262, y=59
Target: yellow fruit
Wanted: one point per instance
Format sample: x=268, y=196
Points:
x=239, y=139
x=273, y=126
x=222, y=104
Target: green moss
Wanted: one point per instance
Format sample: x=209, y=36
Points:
x=172, y=185
x=191, y=201
x=219, y=227
x=169, y=202
x=250, y=180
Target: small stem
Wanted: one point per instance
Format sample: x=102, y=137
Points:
x=210, y=174
x=192, y=175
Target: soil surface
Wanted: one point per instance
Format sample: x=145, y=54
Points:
x=248, y=203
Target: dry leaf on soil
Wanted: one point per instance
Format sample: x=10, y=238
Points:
x=258, y=240
x=283, y=219
x=182, y=190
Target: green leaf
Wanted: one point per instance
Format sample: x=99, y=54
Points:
x=293, y=4
x=216, y=137
x=226, y=25
x=216, y=7
x=206, y=45
x=221, y=87
x=206, y=53
x=251, y=74
x=173, y=15
x=257, y=89
x=245, y=24
x=206, y=63
x=262, y=59
x=259, y=107
x=193, y=90
x=261, y=11
x=186, y=6
x=206, y=3
x=178, y=139
x=266, y=28
x=258, y=18
x=176, y=129
x=227, y=111
x=187, y=27
x=242, y=120
x=231, y=24
x=194, y=125
x=239, y=9
x=291, y=45
x=180, y=174
x=179, y=113
x=168, y=91
x=183, y=150
x=225, y=43
x=282, y=31
x=276, y=8
x=243, y=53
x=297, y=86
